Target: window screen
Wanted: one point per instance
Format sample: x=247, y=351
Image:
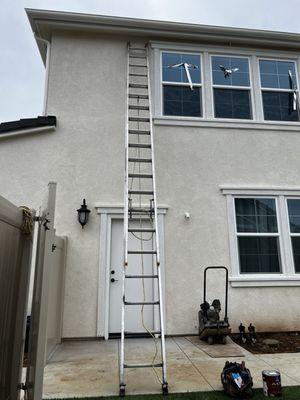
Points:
x=231, y=87
x=279, y=90
x=257, y=235
x=179, y=98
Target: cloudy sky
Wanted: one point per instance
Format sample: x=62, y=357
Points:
x=21, y=69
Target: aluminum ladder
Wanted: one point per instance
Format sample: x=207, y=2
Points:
x=140, y=206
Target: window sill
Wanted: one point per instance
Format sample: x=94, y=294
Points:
x=225, y=123
x=263, y=281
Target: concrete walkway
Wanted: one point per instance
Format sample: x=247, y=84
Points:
x=83, y=369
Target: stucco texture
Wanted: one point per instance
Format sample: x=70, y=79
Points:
x=85, y=156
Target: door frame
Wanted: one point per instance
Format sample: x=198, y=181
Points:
x=107, y=215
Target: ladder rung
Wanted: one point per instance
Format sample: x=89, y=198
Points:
x=139, y=119
x=138, y=132
x=137, y=56
x=141, y=230
x=137, y=65
x=140, y=145
x=133, y=214
x=142, y=75
x=149, y=176
x=134, y=107
x=142, y=192
x=138, y=96
x=141, y=277
x=141, y=210
x=138, y=85
x=137, y=48
x=143, y=365
x=141, y=303
x=142, y=160
x=141, y=251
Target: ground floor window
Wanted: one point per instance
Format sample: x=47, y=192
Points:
x=264, y=229
x=257, y=235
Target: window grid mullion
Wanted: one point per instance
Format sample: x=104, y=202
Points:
x=257, y=102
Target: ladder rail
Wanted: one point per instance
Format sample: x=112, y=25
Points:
x=128, y=214
x=125, y=224
x=161, y=311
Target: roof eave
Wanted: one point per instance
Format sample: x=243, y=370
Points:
x=43, y=22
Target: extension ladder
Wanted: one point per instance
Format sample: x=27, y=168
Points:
x=140, y=207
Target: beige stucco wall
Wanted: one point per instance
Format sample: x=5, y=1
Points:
x=85, y=156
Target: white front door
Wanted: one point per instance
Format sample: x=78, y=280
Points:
x=134, y=287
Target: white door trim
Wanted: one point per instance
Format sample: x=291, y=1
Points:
x=107, y=214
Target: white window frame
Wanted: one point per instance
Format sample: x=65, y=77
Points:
x=208, y=120
x=248, y=88
x=262, y=89
x=277, y=234
x=287, y=276
x=291, y=234
x=198, y=85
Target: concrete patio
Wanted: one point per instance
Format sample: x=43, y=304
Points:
x=90, y=368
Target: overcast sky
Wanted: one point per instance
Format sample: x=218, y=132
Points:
x=21, y=69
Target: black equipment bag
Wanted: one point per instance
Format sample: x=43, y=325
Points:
x=237, y=380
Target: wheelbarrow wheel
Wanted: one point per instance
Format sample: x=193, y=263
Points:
x=210, y=340
x=223, y=340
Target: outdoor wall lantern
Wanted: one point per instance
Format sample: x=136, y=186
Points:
x=83, y=214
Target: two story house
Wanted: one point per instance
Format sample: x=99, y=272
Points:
x=227, y=144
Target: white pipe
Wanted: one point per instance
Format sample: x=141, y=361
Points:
x=48, y=44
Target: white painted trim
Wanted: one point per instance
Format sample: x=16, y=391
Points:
x=260, y=52
x=28, y=131
x=287, y=277
x=118, y=209
x=226, y=123
x=107, y=214
x=259, y=190
x=207, y=117
x=271, y=281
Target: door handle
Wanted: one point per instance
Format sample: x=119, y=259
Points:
x=113, y=280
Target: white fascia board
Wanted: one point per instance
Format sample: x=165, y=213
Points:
x=49, y=20
x=245, y=190
x=28, y=131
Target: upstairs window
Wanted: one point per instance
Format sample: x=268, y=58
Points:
x=181, y=84
x=231, y=87
x=279, y=90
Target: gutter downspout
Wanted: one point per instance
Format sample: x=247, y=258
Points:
x=46, y=86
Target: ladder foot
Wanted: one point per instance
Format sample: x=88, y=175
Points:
x=122, y=390
x=165, y=389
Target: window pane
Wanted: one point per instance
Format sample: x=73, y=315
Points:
x=259, y=254
x=178, y=74
x=294, y=215
x=240, y=77
x=256, y=215
x=232, y=103
x=182, y=101
x=278, y=106
x=275, y=74
x=296, y=252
